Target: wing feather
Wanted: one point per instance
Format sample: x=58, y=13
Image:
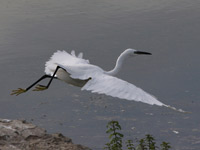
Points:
x=99, y=82
x=63, y=58
x=73, y=53
x=80, y=55
x=115, y=87
x=102, y=83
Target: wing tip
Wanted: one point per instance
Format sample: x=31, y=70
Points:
x=175, y=109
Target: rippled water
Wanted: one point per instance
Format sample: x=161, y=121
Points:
x=30, y=31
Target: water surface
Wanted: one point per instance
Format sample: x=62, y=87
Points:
x=30, y=31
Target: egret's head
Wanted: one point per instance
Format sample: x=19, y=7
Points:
x=133, y=52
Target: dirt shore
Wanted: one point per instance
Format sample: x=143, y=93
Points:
x=21, y=135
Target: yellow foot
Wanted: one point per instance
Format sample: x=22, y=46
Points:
x=40, y=88
x=18, y=91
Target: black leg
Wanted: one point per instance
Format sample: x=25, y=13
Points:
x=20, y=90
x=43, y=87
x=43, y=77
x=53, y=76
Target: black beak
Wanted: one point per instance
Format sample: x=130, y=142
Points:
x=142, y=53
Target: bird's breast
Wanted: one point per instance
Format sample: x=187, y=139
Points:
x=65, y=76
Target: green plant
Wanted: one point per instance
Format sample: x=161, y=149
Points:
x=165, y=146
x=130, y=145
x=115, y=137
x=142, y=145
x=150, y=141
x=115, y=143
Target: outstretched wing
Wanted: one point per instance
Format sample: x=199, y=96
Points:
x=63, y=58
x=115, y=87
x=102, y=83
x=99, y=81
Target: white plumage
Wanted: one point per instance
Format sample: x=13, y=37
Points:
x=79, y=72
x=99, y=81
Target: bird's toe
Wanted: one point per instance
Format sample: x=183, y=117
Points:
x=40, y=88
x=18, y=91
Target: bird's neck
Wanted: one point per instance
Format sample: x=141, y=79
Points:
x=118, y=65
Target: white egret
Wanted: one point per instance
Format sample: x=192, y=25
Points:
x=79, y=72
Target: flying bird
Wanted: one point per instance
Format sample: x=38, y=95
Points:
x=79, y=72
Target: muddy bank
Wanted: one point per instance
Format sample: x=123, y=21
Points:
x=21, y=135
